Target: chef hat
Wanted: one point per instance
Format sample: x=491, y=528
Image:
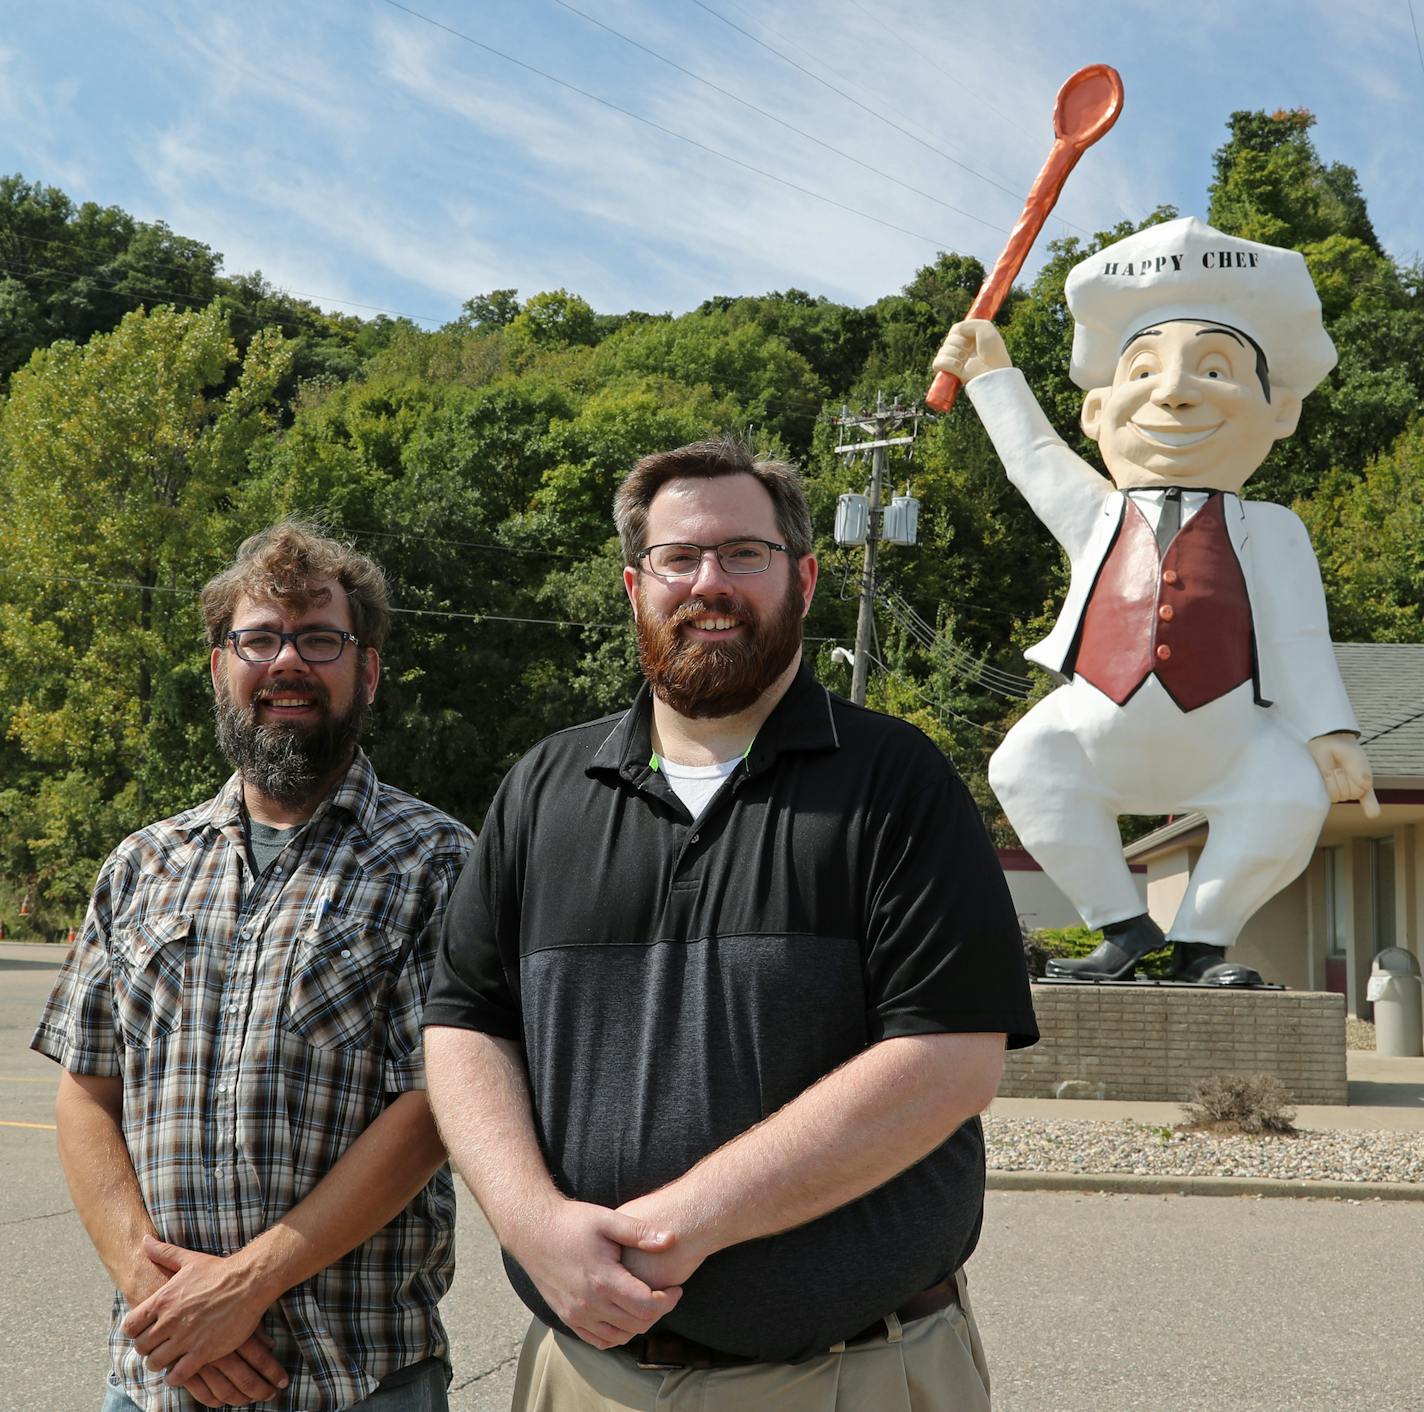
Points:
x=1186, y=270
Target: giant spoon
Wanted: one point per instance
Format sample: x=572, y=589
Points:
x=1087, y=106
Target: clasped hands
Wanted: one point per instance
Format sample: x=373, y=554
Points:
x=609, y=1275
x=202, y=1324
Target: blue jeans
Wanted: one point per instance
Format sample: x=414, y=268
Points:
x=425, y=1394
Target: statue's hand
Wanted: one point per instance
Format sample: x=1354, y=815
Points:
x=972, y=346
x=1345, y=768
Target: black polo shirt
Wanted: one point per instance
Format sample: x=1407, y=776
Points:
x=674, y=982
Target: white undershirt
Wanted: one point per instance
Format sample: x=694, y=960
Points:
x=696, y=784
x=1150, y=503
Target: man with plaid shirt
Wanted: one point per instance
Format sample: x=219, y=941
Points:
x=242, y=1119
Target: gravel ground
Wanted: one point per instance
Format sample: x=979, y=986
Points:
x=1086, y=1145
x=1359, y=1034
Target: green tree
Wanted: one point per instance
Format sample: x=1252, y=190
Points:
x=729, y=358
x=325, y=348
x=74, y=270
x=834, y=339
x=1369, y=535
x=493, y=310
x=117, y=461
x=1271, y=185
x=555, y=319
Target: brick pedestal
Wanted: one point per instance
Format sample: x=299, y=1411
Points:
x=1135, y=1040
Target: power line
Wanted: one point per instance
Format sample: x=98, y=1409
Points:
x=681, y=137
x=919, y=52
x=939, y=705
x=1008, y=613
x=138, y=297
x=790, y=127
x=914, y=47
x=1413, y=24
x=759, y=18
x=111, y=256
x=191, y=592
x=178, y=269
x=464, y=543
x=954, y=657
x=850, y=98
x=155, y=294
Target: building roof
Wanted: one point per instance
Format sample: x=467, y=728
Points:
x=1385, y=683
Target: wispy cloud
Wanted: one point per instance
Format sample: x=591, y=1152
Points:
x=33, y=113
x=353, y=151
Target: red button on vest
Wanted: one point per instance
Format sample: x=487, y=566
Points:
x=1169, y=576
x=1164, y=653
x=1166, y=612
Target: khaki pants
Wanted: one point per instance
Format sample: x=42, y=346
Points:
x=934, y=1364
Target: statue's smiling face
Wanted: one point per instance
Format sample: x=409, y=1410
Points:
x=1187, y=406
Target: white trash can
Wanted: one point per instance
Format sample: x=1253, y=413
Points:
x=1397, y=994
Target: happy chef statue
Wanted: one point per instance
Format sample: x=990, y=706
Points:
x=1194, y=639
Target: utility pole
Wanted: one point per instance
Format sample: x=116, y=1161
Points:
x=879, y=425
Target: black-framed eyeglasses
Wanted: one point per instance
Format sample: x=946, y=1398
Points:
x=682, y=561
x=312, y=644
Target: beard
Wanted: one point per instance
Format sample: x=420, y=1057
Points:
x=705, y=680
x=288, y=763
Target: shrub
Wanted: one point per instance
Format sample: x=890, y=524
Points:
x=1247, y=1103
x=1079, y=941
x=1036, y=954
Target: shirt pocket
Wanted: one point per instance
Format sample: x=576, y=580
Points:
x=341, y=980
x=150, y=958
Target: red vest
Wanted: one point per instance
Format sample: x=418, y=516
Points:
x=1183, y=615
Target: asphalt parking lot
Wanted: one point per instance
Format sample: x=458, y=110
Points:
x=1088, y=1303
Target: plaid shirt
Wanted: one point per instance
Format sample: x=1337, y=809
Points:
x=260, y=1024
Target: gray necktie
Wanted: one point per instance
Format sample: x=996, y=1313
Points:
x=1170, y=520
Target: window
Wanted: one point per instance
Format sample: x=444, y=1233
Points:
x=1334, y=901
x=1382, y=892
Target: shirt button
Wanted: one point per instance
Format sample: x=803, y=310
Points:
x=345, y=952
x=1166, y=612
x=1164, y=653
x=233, y=1008
x=1169, y=576
x=696, y=837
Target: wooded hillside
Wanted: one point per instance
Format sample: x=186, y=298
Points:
x=154, y=410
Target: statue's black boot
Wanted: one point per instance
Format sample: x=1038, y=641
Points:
x=1199, y=964
x=1115, y=958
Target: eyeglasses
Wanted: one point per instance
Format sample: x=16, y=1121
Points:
x=312, y=644
x=682, y=561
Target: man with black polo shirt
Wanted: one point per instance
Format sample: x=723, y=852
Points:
x=722, y=991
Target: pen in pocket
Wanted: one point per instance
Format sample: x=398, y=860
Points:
x=323, y=906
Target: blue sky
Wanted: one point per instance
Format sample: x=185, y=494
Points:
x=355, y=152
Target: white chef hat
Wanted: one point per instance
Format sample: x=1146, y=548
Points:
x=1184, y=269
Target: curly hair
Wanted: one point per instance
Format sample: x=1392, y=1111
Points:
x=286, y=564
